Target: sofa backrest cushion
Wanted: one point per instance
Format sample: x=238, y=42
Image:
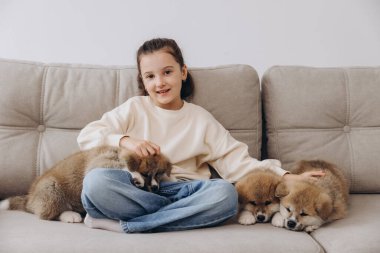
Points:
x=325, y=113
x=44, y=106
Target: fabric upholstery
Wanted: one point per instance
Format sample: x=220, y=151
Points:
x=325, y=113
x=44, y=106
x=46, y=236
x=358, y=232
x=310, y=113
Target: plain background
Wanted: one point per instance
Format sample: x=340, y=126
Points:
x=261, y=33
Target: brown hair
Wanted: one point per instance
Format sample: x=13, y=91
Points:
x=172, y=48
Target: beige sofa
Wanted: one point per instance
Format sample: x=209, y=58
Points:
x=326, y=113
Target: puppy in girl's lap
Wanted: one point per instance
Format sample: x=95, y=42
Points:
x=56, y=193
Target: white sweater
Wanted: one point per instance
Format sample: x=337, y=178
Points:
x=190, y=137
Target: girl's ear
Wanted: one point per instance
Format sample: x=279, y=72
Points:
x=184, y=72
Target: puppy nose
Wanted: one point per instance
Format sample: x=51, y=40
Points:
x=154, y=188
x=291, y=224
x=260, y=218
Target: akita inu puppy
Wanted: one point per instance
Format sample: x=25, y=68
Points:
x=306, y=205
x=56, y=193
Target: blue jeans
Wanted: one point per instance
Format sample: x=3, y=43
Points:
x=111, y=194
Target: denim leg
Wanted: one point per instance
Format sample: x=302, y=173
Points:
x=110, y=193
x=194, y=204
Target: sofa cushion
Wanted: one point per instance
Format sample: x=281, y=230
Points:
x=325, y=113
x=358, y=232
x=23, y=232
x=44, y=106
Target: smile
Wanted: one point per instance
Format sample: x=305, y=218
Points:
x=163, y=91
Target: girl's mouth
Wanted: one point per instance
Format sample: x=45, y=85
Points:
x=163, y=91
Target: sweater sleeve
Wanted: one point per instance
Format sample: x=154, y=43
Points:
x=106, y=131
x=230, y=157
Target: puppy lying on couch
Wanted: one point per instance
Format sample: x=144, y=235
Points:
x=257, y=200
x=306, y=205
x=56, y=193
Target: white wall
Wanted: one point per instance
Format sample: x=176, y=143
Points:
x=261, y=33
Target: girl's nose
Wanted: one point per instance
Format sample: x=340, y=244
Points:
x=160, y=81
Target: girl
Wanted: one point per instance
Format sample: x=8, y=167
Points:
x=162, y=121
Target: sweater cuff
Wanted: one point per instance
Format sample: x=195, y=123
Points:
x=275, y=166
x=280, y=171
x=114, y=139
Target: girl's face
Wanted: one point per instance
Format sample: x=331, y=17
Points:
x=162, y=77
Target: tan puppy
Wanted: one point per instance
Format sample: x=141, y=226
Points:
x=56, y=193
x=257, y=198
x=306, y=205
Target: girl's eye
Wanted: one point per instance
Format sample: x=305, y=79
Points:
x=167, y=72
x=149, y=77
x=268, y=203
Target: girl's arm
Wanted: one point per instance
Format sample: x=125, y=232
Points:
x=230, y=157
x=108, y=130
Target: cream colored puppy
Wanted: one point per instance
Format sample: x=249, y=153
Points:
x=306, y=205
x=257, y=198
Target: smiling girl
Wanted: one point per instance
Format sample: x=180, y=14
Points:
x=161, y=120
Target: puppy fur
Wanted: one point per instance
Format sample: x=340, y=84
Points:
x=306, y=205
x=56, y=193
x=257, y=198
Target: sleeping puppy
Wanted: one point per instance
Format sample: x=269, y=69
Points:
x=56, y=193
x=257, y=198
x=306, y=205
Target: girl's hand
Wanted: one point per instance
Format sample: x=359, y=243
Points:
x=142, y=148
x=308, y=175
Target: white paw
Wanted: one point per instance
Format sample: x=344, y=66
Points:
x=278, y=220
x=70, y=217
x=246, y=218
x=4, y=204
x=138, y=179
x=311, y=228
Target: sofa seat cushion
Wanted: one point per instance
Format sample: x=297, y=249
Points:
x=23, y=232
x=358, y=232
x=325, y=113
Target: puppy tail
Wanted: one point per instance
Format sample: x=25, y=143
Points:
x=14, y=203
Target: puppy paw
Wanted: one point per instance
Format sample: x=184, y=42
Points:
x=246, y=218
x=4, y=204
x=278, y=220
x=138, y=179
x=310, y=229
x=70, y=217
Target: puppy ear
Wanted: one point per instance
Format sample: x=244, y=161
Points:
x=241, y=190
x=168, y=168
x=133, y=162
x=324, y=206
x=281, y=190
x=164, y=165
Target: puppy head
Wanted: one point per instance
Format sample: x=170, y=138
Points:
x=153, y=168
x=257, y=194
x=303, y=204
